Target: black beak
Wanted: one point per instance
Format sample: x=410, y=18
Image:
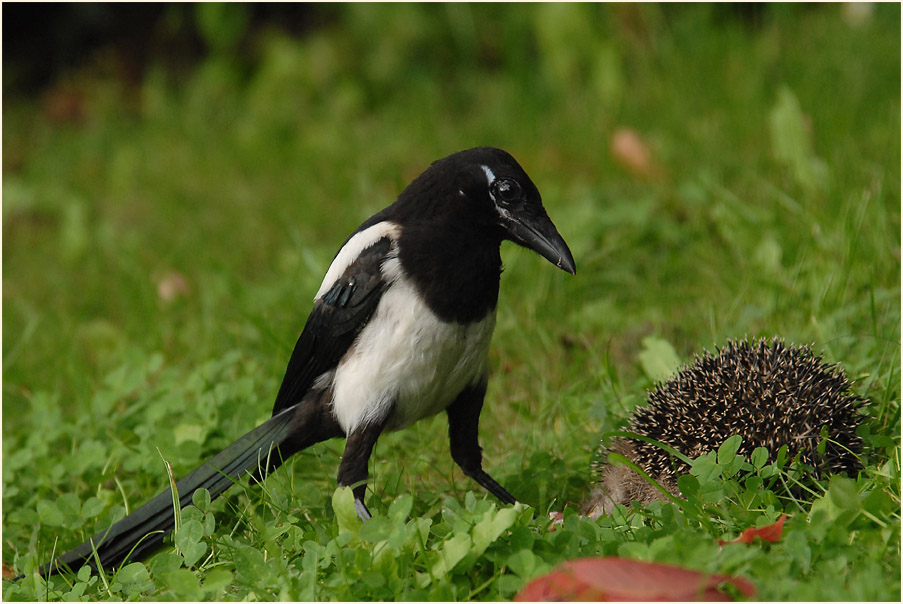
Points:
x=537, y=233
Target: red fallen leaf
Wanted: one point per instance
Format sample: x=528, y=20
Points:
x=770, y=533
x=621, y=580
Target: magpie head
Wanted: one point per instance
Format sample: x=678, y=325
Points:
x=488, y=188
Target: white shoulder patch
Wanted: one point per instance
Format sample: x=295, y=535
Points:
x=351, y=250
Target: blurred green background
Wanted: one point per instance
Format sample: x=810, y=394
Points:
x=176, y=179
x=225, y=151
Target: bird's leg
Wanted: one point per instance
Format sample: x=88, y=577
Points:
x=353, y=468
x=463, y=424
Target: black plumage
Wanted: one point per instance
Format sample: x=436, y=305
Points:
x=399, y=331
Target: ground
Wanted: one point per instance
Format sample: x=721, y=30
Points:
x=716, y=174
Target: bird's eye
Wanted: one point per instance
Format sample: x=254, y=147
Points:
x=506, y=190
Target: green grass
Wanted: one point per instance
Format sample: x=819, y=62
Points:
x=776, y=212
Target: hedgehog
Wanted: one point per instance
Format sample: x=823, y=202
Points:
x=770, y=393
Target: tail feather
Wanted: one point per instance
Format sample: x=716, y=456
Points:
x=146, y=527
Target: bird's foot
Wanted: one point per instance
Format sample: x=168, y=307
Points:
x=362, y=512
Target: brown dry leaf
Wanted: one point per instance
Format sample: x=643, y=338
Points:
x=557, y=519
x=171, y=286
x=8, y=573
x=63, y=104
x=632, y=153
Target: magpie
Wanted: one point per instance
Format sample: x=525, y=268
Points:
x=399, y=331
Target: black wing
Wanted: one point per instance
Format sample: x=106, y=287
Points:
x=335, y=321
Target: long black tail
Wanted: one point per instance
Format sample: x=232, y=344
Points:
x=146, y=527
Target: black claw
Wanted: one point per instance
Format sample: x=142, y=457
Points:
x=489, y=483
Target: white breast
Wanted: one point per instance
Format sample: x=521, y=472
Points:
x=407, y=357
